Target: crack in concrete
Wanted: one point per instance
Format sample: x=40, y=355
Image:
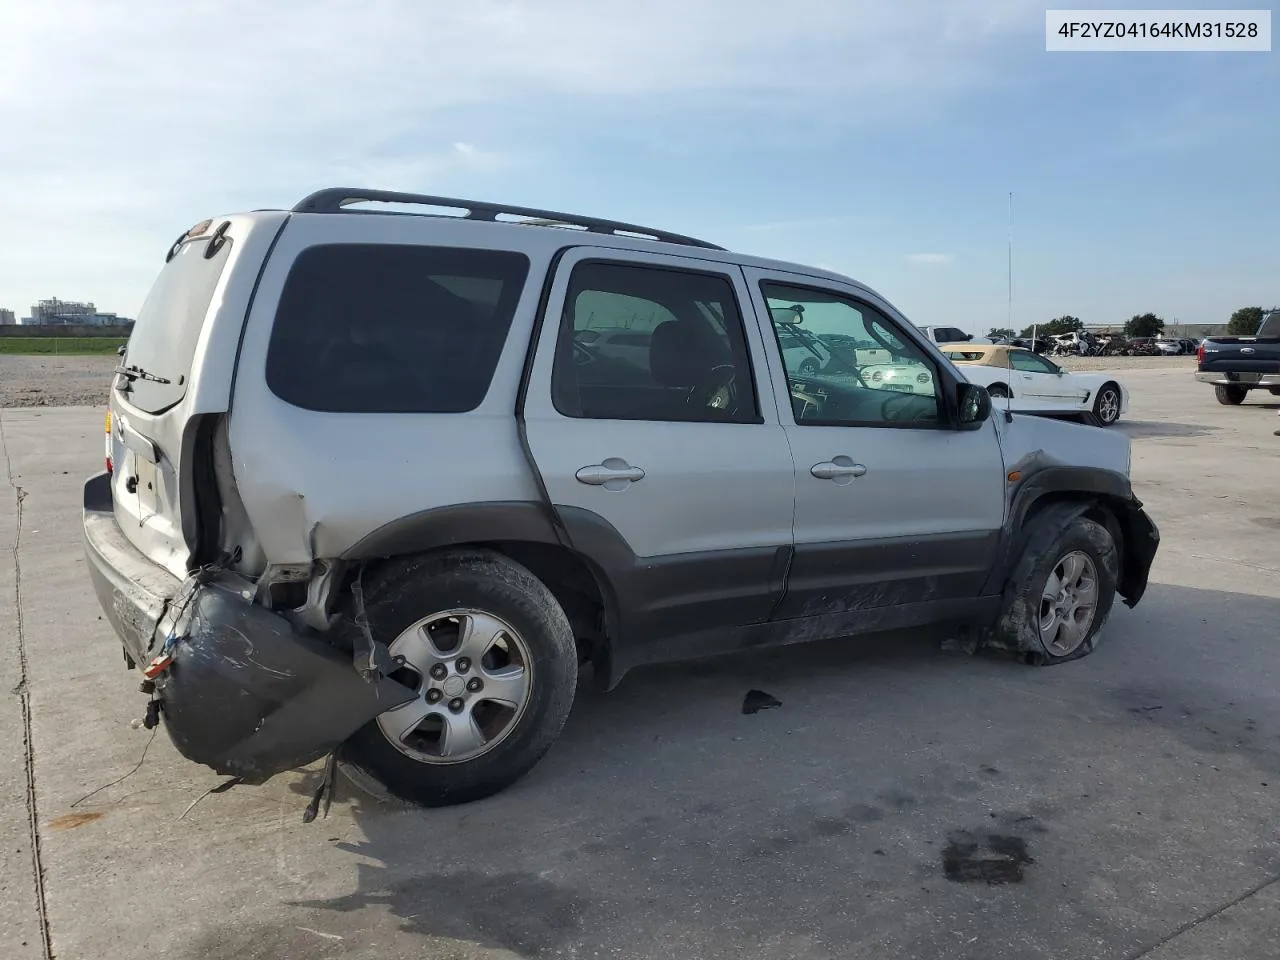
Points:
x=23, y=691
x=1203, y=918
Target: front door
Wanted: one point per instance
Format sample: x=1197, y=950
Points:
x=661, y=453
x=894, y=507
x=1043, y=380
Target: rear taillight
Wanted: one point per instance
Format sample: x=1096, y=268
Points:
x=111, y=467
x=1200, y=354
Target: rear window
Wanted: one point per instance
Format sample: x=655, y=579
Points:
x=162, y=343
x=382, y=328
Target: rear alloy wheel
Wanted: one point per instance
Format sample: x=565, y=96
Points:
x=1230, y=395
x=1059, y=595
x=1106, y=407
x=493, y=660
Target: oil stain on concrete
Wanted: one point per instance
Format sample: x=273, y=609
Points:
x=979, y=857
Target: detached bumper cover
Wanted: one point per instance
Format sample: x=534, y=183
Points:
x=246, y=694
x=1141, y=541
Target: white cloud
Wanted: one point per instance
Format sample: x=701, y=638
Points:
x=931, y=258
x=121, y=121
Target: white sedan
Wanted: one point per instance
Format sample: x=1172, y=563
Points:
x=1034, y=384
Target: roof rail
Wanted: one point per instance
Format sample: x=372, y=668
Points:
x=337, y=199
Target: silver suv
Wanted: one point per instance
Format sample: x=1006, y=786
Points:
x=380, y=484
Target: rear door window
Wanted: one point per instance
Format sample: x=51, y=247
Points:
x=392, y=328
x=163, y=341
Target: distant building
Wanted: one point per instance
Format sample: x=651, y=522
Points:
x=7, y=319
x=57, y=312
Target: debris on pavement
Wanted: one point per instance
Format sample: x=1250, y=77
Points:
x=757, y=700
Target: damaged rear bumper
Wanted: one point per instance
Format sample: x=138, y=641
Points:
x=246, y=694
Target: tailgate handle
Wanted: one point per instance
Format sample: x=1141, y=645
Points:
x=139, y=444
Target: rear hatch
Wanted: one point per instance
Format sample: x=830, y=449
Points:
x=150, y=424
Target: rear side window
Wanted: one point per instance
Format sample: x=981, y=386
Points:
x=162, y=343
x=383, y=328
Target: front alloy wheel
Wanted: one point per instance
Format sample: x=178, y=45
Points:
x=1059, y=594
x=1068, y=603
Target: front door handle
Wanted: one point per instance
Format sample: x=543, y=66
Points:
x=613, y=474
x=840, y=469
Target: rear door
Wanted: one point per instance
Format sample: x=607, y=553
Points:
x=668, y=467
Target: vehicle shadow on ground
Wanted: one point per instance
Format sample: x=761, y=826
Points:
x=1156, y=429
x=666, y=822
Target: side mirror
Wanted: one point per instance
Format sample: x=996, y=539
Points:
x=120, y=350
x=975, y=405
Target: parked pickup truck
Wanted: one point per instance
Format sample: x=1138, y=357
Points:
x=1236, y=365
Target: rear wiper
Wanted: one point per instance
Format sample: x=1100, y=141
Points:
x=135, y=372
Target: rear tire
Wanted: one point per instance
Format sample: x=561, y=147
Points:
x=998, y=391
x=1230, y=395
x=470, y=593
x=1274, y=391
x=1060, y=593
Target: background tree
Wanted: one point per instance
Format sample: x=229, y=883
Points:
x=1006, y=332
x=1245, y=322
x=1051, y=328
x=1143, y=325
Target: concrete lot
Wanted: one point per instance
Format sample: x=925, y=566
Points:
x=1143, y=781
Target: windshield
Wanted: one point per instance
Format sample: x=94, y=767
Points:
x=163, y=342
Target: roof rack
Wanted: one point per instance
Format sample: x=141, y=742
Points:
x=337, y=199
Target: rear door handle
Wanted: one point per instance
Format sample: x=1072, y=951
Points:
x=840, y=469
x=613, y=474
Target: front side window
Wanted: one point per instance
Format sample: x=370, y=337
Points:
x=391, y=328
x=647, y=343
x=1029, y=362
x=847, y=364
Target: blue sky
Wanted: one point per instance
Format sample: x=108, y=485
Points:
x=880, y=139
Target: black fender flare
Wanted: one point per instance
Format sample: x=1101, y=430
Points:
x=1070, y=492
x=590, y=538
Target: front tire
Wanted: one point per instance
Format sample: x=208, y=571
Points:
x=493, y=658
x=1060, y=593
x=1230, y=395
x=1106, y=406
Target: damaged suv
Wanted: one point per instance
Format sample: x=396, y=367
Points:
x=381, y=480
